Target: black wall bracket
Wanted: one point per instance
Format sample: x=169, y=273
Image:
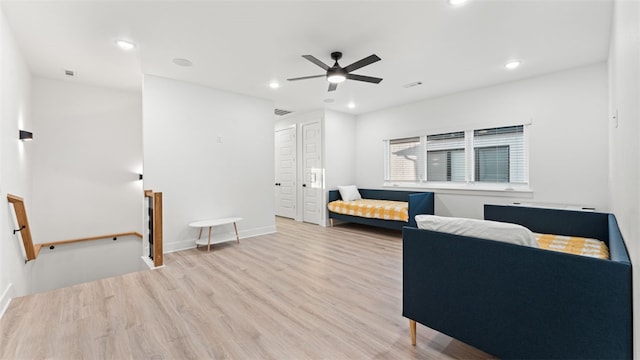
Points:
x=21, y=228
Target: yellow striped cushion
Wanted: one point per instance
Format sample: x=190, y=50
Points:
x=377, y=209
x=573, y=245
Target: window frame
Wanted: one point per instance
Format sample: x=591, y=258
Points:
x=469, y=184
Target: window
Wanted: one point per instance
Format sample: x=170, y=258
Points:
x=445, y=157
x=405, y=159
x=499, y=155
x=492, y=163
x=482, y=156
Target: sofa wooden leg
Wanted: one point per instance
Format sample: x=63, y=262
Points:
x=331, y=222
x=412, y=330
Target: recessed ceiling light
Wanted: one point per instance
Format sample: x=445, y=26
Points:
x=274, y=85
x=512, y=64
x=351, y=105
x=457, y=2
x=125, y=45
x=182, y=62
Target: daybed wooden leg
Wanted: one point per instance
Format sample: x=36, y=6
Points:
x=331, y=222
x=412, y=330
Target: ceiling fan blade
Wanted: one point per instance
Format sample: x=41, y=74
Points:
x=364, y=78
x=316, y=61
x=307, y=77
x=364, y=62
x=333, y=86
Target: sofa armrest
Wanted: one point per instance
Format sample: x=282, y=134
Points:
x=420, y=203
x=617, y=249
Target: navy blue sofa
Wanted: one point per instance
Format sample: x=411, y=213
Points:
x=517, y=302
x=419, y=203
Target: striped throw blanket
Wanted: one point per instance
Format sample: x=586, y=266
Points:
x=377, y=209
x=573, y=245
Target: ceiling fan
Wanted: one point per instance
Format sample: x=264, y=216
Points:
x=337, y=74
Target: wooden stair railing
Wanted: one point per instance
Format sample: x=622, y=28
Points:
x=117, y=235
x=155, y=218
x=32, y=250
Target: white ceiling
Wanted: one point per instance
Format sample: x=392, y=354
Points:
x=241, y=46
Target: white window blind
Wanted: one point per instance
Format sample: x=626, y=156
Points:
x=488, y=156
x=405, y=159
x=446, y=157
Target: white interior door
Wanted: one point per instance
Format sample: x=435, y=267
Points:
x=285, y=184
x=312, y=172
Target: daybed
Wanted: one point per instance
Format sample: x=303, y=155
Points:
x=521, y=302
x=419, y=203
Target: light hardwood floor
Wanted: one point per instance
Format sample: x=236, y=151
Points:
x=306, y=292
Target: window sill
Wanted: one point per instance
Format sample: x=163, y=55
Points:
x=507, y=190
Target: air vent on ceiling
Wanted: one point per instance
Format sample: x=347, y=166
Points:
x=406, y=86
x=69, y=73
x=281, y=112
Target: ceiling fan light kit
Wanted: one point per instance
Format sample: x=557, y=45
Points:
x=337, y=74
x=336, y=77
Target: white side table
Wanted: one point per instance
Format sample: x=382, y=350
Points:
x=211, y=223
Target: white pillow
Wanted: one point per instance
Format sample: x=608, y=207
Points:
x=484, y=229
x=349, y=193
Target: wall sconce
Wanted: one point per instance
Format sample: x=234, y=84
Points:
x=25, y=135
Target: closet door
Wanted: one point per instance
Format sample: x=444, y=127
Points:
x=285, y=181
x=312, y=172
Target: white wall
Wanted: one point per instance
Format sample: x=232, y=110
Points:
x=87, y=153
x=210, y=153
x=15, y=163
x=87, y=157
x=624, y=135
x=568, y=142
x=76, y=263
x=339, y=152
x=339, y=149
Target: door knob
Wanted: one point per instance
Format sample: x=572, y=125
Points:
x=304, y=185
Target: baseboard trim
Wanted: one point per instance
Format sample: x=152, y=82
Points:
x=229, y=236
x=5, y=299
x=147, y=261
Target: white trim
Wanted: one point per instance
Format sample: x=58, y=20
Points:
x=527, y=146
x=229, y=236
x=458, y=128
x=385, y=156
x=5, y=299
x=494, y=189
x=149, y=263
x=469, y=152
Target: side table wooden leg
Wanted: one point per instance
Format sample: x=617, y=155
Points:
x=237, y=237
x=200, y=234
x=209, y=240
